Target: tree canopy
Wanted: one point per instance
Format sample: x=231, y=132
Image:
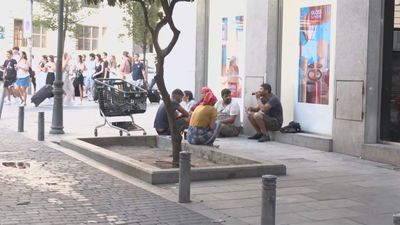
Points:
x=134, y=22
x=74, y=12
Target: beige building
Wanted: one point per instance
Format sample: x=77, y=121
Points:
x=100, y=31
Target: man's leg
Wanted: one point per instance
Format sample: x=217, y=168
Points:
x=253, y=122
x=251, y=117
x=259, y=119
x=229, y=130
x=181, y=124
x=152, y=83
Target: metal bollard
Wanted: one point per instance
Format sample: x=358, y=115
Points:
x=268, y=200
x=21, y=119
x=41, y=126
x=396, y=219
x=184, y=177
x=3, y=95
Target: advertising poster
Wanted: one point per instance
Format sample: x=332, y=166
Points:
x=232, y=41
x=314, y=60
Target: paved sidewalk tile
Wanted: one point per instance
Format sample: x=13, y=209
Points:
x=57, y=189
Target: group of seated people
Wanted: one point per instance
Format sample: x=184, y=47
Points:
x=209, y=118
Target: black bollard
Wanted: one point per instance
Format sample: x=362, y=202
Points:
x=21, y=119
x=41, y=126
x=396, y=219
x=268, y=200
x=184, y=177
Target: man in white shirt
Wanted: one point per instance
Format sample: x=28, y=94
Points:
x=228, y=114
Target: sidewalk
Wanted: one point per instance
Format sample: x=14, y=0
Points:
x=321, y=188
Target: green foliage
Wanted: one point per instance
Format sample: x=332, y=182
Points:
x=74, y=12
x=134, y=22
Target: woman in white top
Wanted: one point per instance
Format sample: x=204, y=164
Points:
x=41, y=73
x=23, y=80
x=68, y=87
x=113, y=67
x=188, y=101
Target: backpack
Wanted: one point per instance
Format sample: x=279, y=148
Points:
x=293, y=127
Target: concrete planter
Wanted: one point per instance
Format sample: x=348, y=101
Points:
x=96, y=148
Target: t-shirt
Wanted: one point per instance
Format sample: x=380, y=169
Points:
x=9, y=66
x=90, y=68
x=202, y=116
x=232, y=109
x=137, y=71
x=161, y=120
x=276, y=109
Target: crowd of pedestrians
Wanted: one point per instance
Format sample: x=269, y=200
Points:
x=78, y=74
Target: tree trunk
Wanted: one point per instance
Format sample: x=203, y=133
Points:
x=144, y=47
x=175, y=135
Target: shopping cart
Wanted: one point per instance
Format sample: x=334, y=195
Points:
x=118, y=98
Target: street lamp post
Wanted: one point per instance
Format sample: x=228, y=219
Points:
x=57, y=121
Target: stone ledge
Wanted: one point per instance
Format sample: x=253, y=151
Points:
x=95, y=148
x=309, y=140
x=384, y=153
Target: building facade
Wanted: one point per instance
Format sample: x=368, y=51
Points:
x=100, y=31
x=334, y=65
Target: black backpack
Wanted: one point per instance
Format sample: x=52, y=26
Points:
x=293, y=127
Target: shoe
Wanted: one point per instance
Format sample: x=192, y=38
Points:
x=256, y=136
x=264, y=138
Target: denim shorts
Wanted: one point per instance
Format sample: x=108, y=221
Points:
x=22, y=82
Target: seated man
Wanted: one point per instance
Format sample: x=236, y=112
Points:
x=161, y=121
x=228, y=114
x=267, y=115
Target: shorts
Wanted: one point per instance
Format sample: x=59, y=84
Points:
x=271, y=123
x=181, y=123
x=8, y=82
x=229, y=130
x=23, y=82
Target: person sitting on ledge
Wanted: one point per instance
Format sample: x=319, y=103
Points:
x=228, y=113
x=203, y=128
x=161, y=121
x=266, y=115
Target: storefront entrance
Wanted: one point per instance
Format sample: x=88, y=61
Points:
x=390, y=95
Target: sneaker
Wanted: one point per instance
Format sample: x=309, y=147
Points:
x=264, y=138
x=256, y=136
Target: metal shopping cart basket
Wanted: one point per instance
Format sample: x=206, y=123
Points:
x=118, y=98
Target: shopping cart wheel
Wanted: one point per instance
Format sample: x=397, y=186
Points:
x=128, y=134
x=120, y=133
x=144, y=133
x=95, y=132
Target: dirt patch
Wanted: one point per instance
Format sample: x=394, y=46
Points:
x=159, y=158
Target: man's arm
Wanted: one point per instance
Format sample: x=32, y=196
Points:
x=229, y=120
x=182, y=111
